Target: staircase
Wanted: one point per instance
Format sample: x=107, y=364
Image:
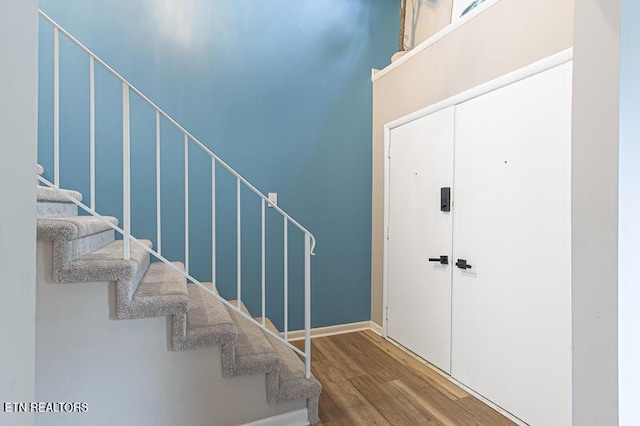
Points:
x=85, y=250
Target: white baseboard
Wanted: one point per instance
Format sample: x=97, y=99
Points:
x=294, y=418
x=331, y=330
x=376, y=328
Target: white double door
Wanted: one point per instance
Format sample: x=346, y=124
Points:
x=501, y=324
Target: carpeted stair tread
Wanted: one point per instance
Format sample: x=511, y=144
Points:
x=161, y=292
x=72, y=228
x=243, y=307
x=53, y=195
x=292, y=383
x=268, y=324
x=253, y=352
x=208, y=321
x=106, y=264
x=206, y=310
x=211, y=287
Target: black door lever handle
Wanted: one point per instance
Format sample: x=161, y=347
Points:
x=462, y=264
x=444, y=260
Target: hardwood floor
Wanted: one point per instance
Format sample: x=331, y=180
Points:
x=369, y=381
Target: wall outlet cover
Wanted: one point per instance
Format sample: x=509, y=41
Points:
x=273, y=199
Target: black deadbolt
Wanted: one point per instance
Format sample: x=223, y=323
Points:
x=445, y=199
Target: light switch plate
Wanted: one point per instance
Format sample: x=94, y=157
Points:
x=273, y=199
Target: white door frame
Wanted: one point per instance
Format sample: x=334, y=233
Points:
x=505, y=80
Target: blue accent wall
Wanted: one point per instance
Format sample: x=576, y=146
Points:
x=278, y=89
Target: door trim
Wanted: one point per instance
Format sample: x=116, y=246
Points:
x=548, y=63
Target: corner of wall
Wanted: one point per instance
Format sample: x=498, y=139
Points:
x=595, y=160
x=18, y=124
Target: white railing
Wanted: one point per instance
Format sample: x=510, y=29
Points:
x=125, y=231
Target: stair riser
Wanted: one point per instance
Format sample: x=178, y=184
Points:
x=201, y=338
x=207, y=323
x=68, y=251
x=157, y=291
x=133, y=285
x=90, y=243
x=55, y=195
x=126, y=289
x=45, y=209
x=81, y=274
x=257, y=364
x=228, y=360
x=283, y=392
x=251, y=353
x=179, y=332
x=92, y=271
x=312, y=410
x=162, y=307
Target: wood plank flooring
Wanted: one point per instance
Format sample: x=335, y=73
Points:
x=369, y=381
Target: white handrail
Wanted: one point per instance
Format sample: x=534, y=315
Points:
x=178, y=126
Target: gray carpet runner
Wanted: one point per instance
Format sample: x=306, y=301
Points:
x=85, y=250
x=51, y=202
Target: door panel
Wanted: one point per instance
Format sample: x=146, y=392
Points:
x=419, y=291
x=512, y=309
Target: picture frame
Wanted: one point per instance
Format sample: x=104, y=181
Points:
x=463, y=7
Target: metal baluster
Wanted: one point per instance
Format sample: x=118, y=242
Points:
x=286, y=278
x=213, y=221
x=158, y=187
x=264, y=278
x=92, y=136
x=186, y=203
x=126, y=170
x=56, y=107
x=307, y=303
x=238, y=243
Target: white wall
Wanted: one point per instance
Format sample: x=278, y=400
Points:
x=18, y=132
x=594, y=218
x=629, y=231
